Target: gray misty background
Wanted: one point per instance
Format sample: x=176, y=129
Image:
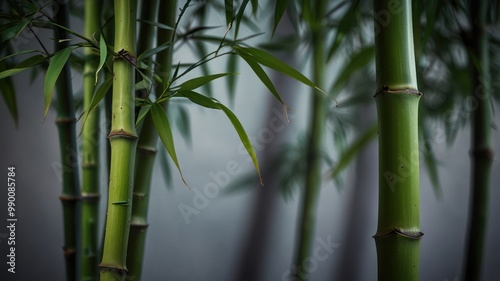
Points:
x=210, y=246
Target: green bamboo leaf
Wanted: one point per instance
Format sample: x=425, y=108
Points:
x=243, y=137
x=229, y=11
x=9, y=96
x=27, y=63
x=165, y=168
x=200, y=99
x=255, y=6
x=157, y=24
x=57, y=62
x=200, y=81
x=232, y=67
x=345, y=25
x=103, y=53
x=165, y=132
x=99, y=94
x=239, y=17
x=142, y=113
x=183, y=124
x=151, y=52
x=356, y=62
x=272, y=62
x=23, y=52
x=348, y=155
x=262, y=76
x=215, y=104
x=279, y=10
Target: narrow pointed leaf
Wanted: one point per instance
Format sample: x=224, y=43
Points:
x=200, y=99
x=262, y=76
x=229, y=11
x=200, y=81
x=56, y=65
x=279, y=10
x=348, y=155
x=165, y=132
x=9, y=96
x=272, y=62
x=99, y=94
x=239, y=17
x=243, y=137
x=255, y=6
x=103, y=53
x=232, y=66
x=23, y=52
x=27, y=63
x=357, y=61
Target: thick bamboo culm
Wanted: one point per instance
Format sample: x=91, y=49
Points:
x=397, y=97
x=123, y=141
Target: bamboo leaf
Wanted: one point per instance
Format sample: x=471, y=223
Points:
x=165, y=168
x=99, y=94
x=243, y=137
x=200, y=99
x=27, y=63
x=9, y=96
x=103, y=53
x=229, y=11
x=165, y=132
x=157, y=24
x=151, y=52
x=23, y=52
x=215, y=104
x=357, y=61
x=255, y=6
x=239, y=17
x=57, y=62
x=279, y=10
x=262, y=76
x=232, y=66
x=142, y=113
x=348, y=155
x=200, y=81
x=272, y=62
x=184, y=124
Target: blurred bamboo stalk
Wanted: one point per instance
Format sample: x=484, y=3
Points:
x=481, y=151
x=66, y=124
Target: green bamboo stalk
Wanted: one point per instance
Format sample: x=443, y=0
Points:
x=66, y=125
x=90, y=150
x=481, y=152
x=147, y=146
x=315, y=144
x=398, y=233
x=123, y=141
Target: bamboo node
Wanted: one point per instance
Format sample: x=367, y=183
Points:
x=113, y=268
x=395, y=231
x=65, y=120
x=146, y=150
x=122, y=133
x=93, y=197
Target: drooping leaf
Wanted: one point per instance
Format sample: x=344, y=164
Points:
x=232, y=67
x=262, y=76
x=9, y=96
x=200, y=81
x=103, y=53
x=239, y=17
x=255, y=6
x=279, y=10
x=22, y=52
x=228, y=7
x=162, y=125
x=215, y=104
x=165, y=168
x=272, y=62
x=142, y=113
x=357, y=61
x=243, y=137
x=57, y=62
x=27, y=63
x=348, y=155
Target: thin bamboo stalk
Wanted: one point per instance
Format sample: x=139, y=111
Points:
x=315, y=144
x=398, y=233
x=123, y=141
x=147, y=146
x=481, y=146
x=66, y=122
x=90, y=151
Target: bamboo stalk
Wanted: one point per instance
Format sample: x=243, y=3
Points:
x=481, y=151
x=147, y=146
x=66, y=122
x=90, y=150
x=123, y=141
x=315, y=144
x=398, y=233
